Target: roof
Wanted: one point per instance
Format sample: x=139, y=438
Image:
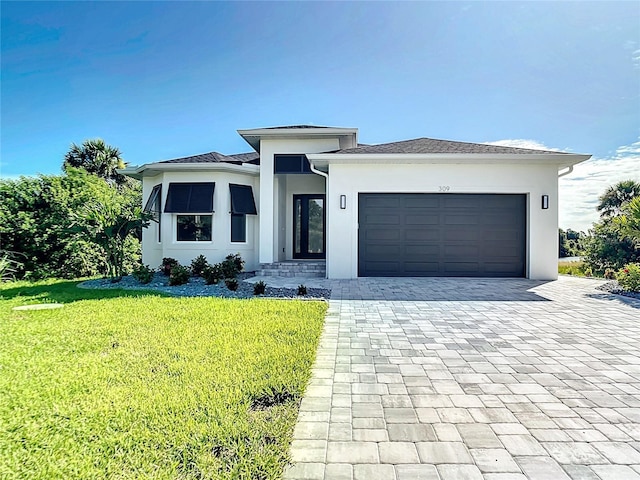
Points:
x=286, y=127
x=433, y=146
x=215, y=157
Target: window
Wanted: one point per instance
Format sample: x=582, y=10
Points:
x=242, y=204
x=291, y=164
x=154, y=207
x=190, y=198
x=193, y=228
x=238, y=227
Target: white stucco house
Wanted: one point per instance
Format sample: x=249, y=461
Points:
x=419, y=207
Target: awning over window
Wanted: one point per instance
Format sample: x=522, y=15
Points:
x=242, y=199
x=153, y=203
x=190, y=198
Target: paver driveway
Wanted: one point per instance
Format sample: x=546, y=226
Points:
x=473, y=379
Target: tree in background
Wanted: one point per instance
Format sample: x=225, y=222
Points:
x=613, y=200
x=37, y=213
x=571, y=243
x=97, y=158
x=110, y=222
x=610, y=244
x=628, y=222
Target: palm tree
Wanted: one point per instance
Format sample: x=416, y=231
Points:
x=98, y=158
x=613, y=200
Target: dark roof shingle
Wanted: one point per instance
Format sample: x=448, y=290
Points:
x=215, y=157
x=431, y=145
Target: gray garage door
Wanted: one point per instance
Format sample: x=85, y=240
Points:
x=441, y=235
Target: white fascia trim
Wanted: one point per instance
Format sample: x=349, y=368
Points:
x=151, y=169
x=254, y=136
x=565, y=160
x=295, y=132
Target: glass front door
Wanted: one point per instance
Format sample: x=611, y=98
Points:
x=308, y=226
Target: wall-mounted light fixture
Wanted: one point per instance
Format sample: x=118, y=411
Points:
x=545, y=202
x=343, y=202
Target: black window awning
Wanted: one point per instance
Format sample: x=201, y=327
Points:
x=194, y=197
x=242, y=199
x=288, y=163
x=153, y=202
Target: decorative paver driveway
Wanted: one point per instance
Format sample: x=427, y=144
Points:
x=473, y=379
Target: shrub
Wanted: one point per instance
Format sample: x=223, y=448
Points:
x=212, y=274
x=143, y=274
x=259, y=288
x=232, y=284
x=232, y=265
x=198, y=265
x=179, y=275
x=302, y=290
x=629, y=277
x=167, y=265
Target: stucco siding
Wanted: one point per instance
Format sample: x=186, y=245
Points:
x=220, y=246
x=532, y=180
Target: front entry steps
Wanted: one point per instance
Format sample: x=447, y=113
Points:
x=294, y=268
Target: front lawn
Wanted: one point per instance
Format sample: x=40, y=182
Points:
x=121, y=384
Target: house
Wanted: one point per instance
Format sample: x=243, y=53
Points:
x=419, y=207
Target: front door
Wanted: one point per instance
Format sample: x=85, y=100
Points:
x=308, y=226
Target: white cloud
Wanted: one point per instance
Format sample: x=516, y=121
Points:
x=523, y=143
x=579, y=191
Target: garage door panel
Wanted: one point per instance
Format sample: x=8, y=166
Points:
x=433, y=219
x=428, y=235
x=442, y=235
x=422, y=250
x=460, y=219
x=382, y=201
x=382, y=219
x=379, y=234
x=457, y=268
x=459, y=233
x=412, y=269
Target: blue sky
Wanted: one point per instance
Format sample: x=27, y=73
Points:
x=166, y=79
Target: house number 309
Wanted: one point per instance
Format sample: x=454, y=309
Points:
x=444, y=188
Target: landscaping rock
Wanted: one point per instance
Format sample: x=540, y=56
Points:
x=198, y=288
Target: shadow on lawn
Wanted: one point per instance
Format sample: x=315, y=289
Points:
x=67, y=292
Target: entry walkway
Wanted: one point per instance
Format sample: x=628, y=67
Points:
x=472, y=379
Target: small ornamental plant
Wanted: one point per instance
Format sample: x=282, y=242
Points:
x=629, y=277
x=143, y=274
x=259, y=288
x=212, y=274
x=232, y=284
x=232, y=265
x=302, y=290
x=167, y=265
x=179, y=276
x=198, y=265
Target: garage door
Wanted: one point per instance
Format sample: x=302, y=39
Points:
x=441, y=235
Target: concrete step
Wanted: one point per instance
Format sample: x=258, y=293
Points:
x=293, y=269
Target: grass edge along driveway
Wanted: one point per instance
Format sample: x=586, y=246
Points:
x=121, y=384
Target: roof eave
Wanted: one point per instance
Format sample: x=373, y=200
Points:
x=561, y=159
x=152, y=169
x=254, y=135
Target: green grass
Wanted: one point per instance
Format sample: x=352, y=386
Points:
x=121, y=384
x=577, y=269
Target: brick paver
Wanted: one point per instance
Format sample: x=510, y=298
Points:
x=472, y=379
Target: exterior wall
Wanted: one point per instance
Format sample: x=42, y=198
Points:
x=533, y=180
x=221, y=245
x=272, y=191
